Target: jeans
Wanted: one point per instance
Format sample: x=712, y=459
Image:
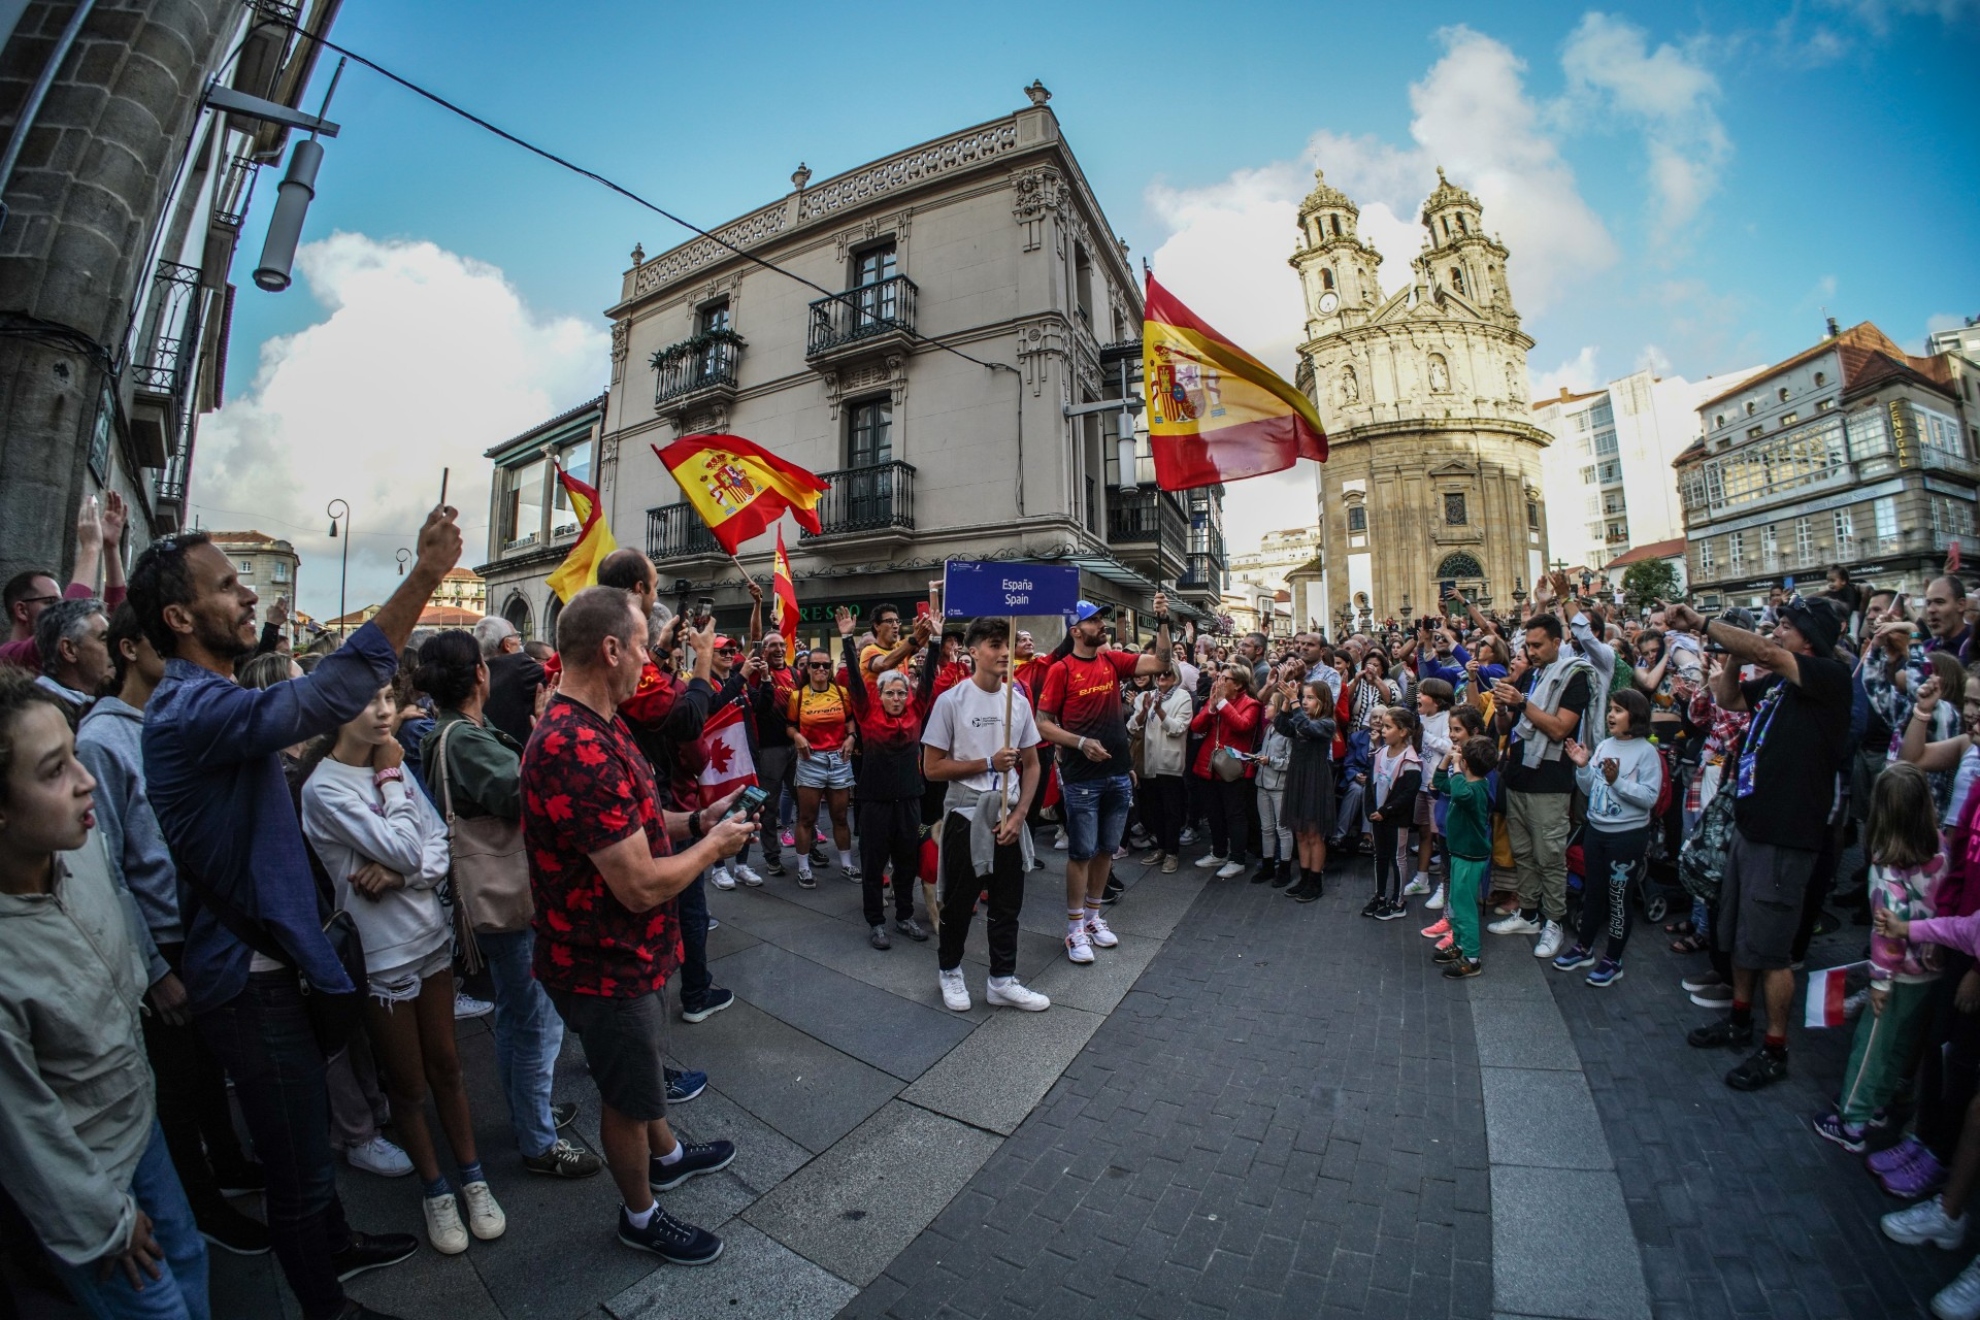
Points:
x=263, y=1039
x=773, y=774
x=1096, y=813
x=180, y=1292
x=692, y=909
x=1537, y=826
x=889, y=831
x=960, y=887
x=192, y=1106
x=1608, y=861
x=1162, y=810
x=528, y=1037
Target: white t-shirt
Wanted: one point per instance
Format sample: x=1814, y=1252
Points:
x=968, y=723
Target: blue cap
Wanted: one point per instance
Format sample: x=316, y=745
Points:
x=1084, y=610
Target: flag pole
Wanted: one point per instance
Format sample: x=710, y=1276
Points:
x=1010, y=687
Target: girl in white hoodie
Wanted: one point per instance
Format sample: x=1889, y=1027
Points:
x=386, y=851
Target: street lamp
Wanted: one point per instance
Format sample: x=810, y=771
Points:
x=339, y=509
x=404, y=556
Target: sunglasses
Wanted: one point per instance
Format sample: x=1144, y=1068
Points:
x=818, y=664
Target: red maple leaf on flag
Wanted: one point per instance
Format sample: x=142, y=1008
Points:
x=720, y=754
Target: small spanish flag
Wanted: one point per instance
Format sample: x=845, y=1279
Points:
x=739, y=488
x=580, y=567
x=784, y=602
x=1216, y=413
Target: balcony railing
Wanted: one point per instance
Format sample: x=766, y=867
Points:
x=879, y=498
x=1205, y=573
x=871, y=311
x=1145, y=517
x=676, y=531
x=168, y=353
x=695, y=365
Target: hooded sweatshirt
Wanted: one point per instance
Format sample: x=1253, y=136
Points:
x=351, y=821
x=110, y=743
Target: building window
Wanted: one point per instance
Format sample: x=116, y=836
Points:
x=1736, y=552
x=99, y=441
x=1705, y=559
x=1821, y=379
x=1823, y=405
x=1719, y=422
x=1326, y=278
x=1845, y=533
x=1789, y=419
x=1886, y=512
x=577, y=461
x=1804, y=540
x=1533, y=515
x=280, y=572
x=246, y=567
x=1083, y=284
x=1770, y=549
x=874, y=297
x=1454, y=510
x=1457, y=281
x=522, y=503
x=1610, y=471
x=1750, y=406
x=1782, y=394
x=1753, y=432
x=1869, y=435
x=869, y=433
x=1357, y=518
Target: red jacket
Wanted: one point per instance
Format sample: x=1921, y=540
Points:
x=1234, y=724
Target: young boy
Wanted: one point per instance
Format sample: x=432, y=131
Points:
x=1468, y=836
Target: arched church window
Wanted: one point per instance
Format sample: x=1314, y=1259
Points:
x=1337, y=226
x=1326, y=277
x=1457, y=280
x=1459, y=565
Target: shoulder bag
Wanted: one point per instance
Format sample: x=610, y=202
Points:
x=490, y=868
x=1224, y=763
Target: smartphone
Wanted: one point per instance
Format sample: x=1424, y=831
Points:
x=921, y=609
x=749, y=801
x=704, y=610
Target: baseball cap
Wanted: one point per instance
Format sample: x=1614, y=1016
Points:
x=724, y=643
x=1084, y=610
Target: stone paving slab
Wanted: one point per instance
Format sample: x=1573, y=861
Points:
x=1562, y=1246
x=855, y=1207
x=997, y=1076
x=1520, y=1031
x=1543, y=1117
x=756, y=1277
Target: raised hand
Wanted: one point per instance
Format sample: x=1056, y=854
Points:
x=440, y=542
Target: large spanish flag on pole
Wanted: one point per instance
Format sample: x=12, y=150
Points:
x=580, y=567
x=1216, y=413
x=739, y=487
x=784, y=601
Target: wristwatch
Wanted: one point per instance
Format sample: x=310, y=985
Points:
x=391, y=774
x=694, y=825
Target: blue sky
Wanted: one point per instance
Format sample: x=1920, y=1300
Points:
x=1683, y=187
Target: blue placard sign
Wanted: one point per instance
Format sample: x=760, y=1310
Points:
x=973, y=588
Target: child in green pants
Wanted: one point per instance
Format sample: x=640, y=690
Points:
x=1468, y=836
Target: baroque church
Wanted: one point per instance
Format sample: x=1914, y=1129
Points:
x=1433, y=467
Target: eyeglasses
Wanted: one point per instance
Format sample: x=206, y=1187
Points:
x=38, y=600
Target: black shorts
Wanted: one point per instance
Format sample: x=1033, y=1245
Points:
x=1760, y=902
x=624, y=1041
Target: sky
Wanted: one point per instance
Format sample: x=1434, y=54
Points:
x=1686, y=188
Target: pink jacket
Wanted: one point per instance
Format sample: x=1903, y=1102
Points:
x=1907, y=892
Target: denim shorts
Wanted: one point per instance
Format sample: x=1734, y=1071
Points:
x=825, y=770
x=1096, y=813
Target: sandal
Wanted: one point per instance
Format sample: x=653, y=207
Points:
x=1681, y=927
x=1692, y=943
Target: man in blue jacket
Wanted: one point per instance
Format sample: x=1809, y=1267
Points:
x=212, y=766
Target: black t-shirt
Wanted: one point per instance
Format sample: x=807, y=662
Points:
x=1557, y=775
x=1798, y=737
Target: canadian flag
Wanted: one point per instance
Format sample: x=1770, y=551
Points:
x=725, y=760
x=1825, y=995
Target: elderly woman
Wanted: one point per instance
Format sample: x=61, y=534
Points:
x=1228, y=720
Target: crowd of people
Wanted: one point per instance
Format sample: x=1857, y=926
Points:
x=278, y=869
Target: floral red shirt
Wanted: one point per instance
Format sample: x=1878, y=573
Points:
x=585, y=786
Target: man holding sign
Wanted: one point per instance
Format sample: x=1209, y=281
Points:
x=1080, y=710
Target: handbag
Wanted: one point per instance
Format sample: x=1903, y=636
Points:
x=490, y=868
x=1224, y=763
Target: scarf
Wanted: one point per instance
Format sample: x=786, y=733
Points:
x=1546, y=693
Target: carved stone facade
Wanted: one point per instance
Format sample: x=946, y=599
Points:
x=1433, y=470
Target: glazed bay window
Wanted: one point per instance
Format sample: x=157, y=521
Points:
x=522, y=503
x=1808, y=457
x=1888, y=536
x=577, y=461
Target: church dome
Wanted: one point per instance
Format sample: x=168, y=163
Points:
x=1324, y=195
x=1448, y=194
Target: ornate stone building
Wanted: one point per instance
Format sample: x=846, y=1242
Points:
x=1433, y=469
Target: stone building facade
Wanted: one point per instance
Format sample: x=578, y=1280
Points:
x=987, y=241
x=1433, y=468
x=121, y=220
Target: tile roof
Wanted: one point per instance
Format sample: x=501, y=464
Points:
x=1671, y=549
x=1869, y=358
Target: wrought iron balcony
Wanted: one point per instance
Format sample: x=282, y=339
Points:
x=676, y=531
x=1205, y=573
x=1145, y=517
x=696, y=369
x=867, y=502
x=870, y=316
x=169, y=351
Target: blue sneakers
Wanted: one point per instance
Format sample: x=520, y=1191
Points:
x=711, y=1003
x=685, y=1086
x=697, y=1158
x=1574, y=958
x=673, y=1240
x=1607, y=972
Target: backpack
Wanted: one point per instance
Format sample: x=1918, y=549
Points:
x=1622, y=677
x=1702, y=860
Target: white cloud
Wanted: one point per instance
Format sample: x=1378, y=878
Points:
x=1577, y=375
x=1877, y=14
x=1669, y=94
x=1653, y=360
x=1226, y=257
x=424, y=360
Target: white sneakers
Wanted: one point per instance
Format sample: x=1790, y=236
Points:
x=1960, y=1299
x=1209, y=861
x=1230, y=869
x=485, y=1218
x=955, y=992
x=1437, y=898
x=1418, y=884
x=1101, y=933
x=1060, y=841
x=1079, y=949
x=1083, y=939
x=381, y=1157
x=747, y=876
x=1550, y=940
x=443, y=1224
x=1005, y=992
x=1925, y=1222
x=722, y=877
x=1514, y=925
x=467, y=1006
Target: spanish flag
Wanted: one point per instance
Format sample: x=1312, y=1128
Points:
x=1216, y=413
x=580, y=567
x=784, y=603
x=739, y=487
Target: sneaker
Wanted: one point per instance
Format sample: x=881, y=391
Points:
x=467, y=1006
x=673, y=1240
x=818, y=857
x=1960, y=1299
x=484, y=1214
x=561, y=1116
x=787, y=839
x=774, y=867
x=1441, y=926
x=1892, y=1158
x=684, y=1085
x=1713, y=996
x=1925, y=1222
x=1606, y=973
x=805, y=879
x=1574, y=959
x=1120, y=853
x=748, y=877
x=697, y=1158
x=1188, y=836
x=564, y=1160
x=444, y=1228
x=1446, y=953
x=1170, y=863
x=1463, y=969
x=1922, y=1176
x=1516, y=924
x=1059, y=840
x=1229, y=870
x=1210, y=862
x=1100, y=932
x=1111, y=894
x=723, y=877
x=878, y=939
x=1393, y=910
x=1437, y=897
x=1446, y=940
x=1829, y=1126
x=911, y=928
x=712, y=1003
x=1009, y=994
x=1704, y=980
x=1762, y=1069
x=230, y=1230
x=1418, y=884
x=381, y=1157
x=955, y=991
x=1079, y=948
x=1551, y=936
x=1152, y=856
x=1721, y=1034
x=372, y=1251
x=1374, y=905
